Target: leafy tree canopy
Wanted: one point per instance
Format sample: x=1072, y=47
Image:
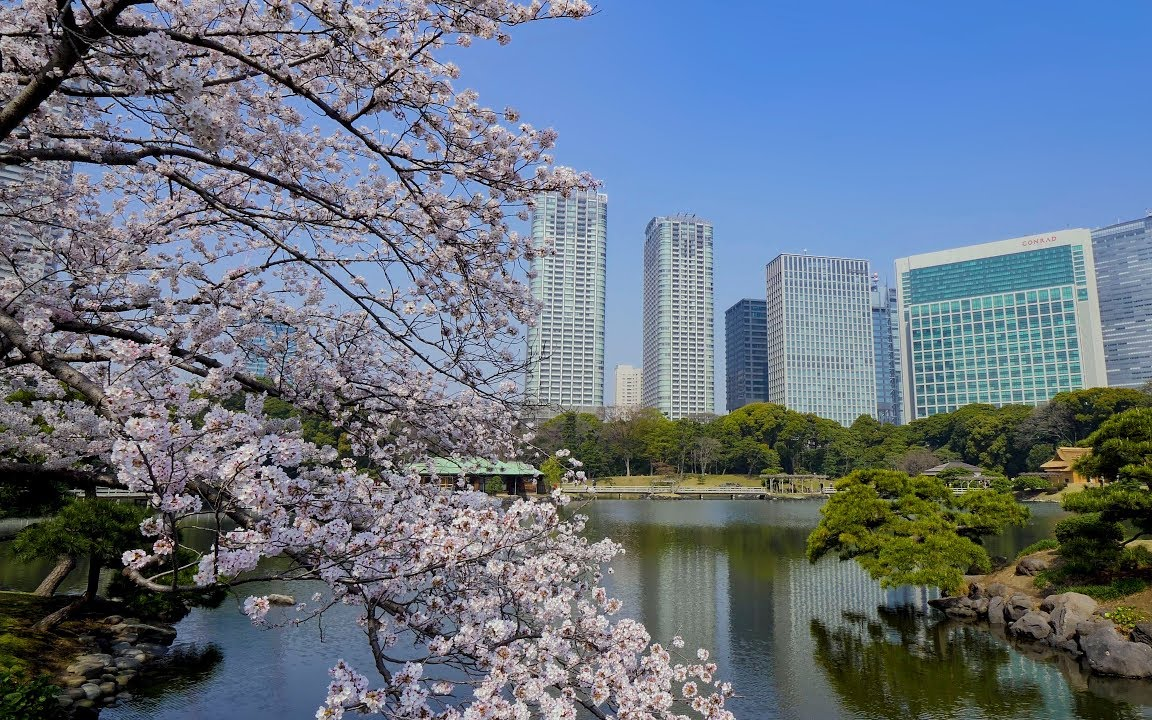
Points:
x=84, y=527
x=1120, y=441
x=911, y=530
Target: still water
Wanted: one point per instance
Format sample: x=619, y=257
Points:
x=798, y=641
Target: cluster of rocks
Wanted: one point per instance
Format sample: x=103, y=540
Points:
x=102, y=678
x=1070, y=622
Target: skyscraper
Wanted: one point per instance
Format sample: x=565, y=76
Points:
x=820, y=353
x=678, y=333
x=886, y=343
x=1123, y=254
x=746, y=353
x=629, y=384
x=23, y=192
x=566, y=344
x=270, y=350
x=1008, y=322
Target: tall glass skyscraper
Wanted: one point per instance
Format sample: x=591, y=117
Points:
x=566, y=345
x=886, y=344
x=821, y=358
x=678, y=334
x=1123, y=255
x=22, y=245
x=1009, y=322
x=746, y=353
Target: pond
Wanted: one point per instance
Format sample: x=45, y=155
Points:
x=798, y=640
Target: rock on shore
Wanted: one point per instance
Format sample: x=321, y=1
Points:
x=1067, y=621
x=99, y=679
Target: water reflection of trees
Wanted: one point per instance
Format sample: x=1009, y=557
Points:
x=184, y=668
x=901, y=666
x=752, y=549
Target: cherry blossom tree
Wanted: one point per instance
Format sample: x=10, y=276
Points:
x=207, y=182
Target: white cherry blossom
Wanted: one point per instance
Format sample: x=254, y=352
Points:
x=304, y=186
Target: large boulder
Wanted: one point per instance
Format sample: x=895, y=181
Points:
x=1032, y=566
x=996, y=590
x=1069, y=610
x=960, y=612
x=996, y=610
x=1094, y=625
x=1034, y=625
x=1109, y=654
x=1142, y=633
x=90, y=666
x=1084, y=604
x=1017, y=606
x=149, y=633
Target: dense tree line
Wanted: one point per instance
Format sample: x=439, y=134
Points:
x=761, y=437
x=907, y=530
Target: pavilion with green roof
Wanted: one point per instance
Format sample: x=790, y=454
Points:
x=519, y=478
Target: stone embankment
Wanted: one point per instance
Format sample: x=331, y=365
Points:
x=103, y=678
x=1070, y=622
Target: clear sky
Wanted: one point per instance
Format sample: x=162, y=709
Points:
x=873, y=130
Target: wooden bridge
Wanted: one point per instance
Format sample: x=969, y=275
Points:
x=115, y=494
x=684, y=491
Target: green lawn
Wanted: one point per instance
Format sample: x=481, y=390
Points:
x=21, y=649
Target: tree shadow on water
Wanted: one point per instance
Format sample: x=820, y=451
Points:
x=182, y=669
x=905, y=666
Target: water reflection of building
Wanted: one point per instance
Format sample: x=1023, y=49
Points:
x=691, y=588
x=732, y=577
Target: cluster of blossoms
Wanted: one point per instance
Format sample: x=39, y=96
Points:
x=215, y=185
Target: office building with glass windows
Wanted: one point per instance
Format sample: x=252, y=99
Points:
x=1008, y=322
x=679, y=377
x=566, y=343
x=25, y=224
x=270, y=350
x=1123, y=260
x=886, y=344
x=821, y=357
x=746, y=353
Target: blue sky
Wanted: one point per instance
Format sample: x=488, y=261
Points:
x=872, y=130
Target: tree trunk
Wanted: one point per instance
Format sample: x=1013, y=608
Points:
x=50, y=621
x=93, y=560
x=627, y=467
x=93, y=577
x=47, y=587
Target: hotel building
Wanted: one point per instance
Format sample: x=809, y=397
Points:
x=1008, y=322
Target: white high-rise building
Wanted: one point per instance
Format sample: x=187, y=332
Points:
x=821, y=357
x=629, y=381
x=679, y=373
x=566, y=344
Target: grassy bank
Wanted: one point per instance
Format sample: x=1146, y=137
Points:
x=25, y=651
x=1123, y=592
